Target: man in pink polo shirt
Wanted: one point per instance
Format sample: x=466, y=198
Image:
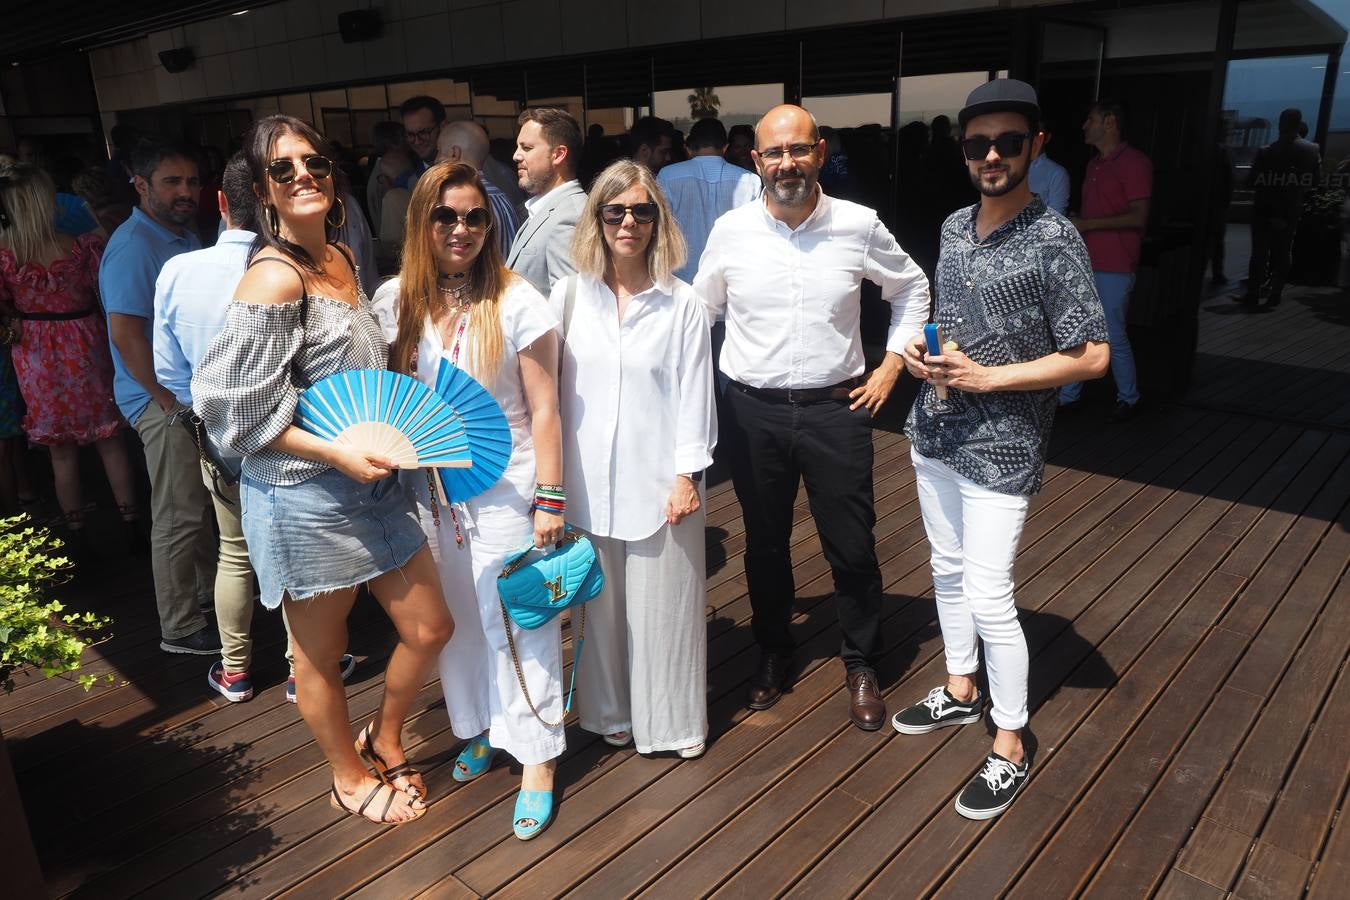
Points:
x=1116, y=195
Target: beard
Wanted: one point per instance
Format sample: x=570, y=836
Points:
x=792, y=195
x=178, y=212
x=1009, y=180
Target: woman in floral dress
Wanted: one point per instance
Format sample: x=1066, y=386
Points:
x=48, y=286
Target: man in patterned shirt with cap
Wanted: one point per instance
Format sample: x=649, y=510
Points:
x=1016, y=294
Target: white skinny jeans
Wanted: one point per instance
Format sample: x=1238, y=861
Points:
x=974, y=532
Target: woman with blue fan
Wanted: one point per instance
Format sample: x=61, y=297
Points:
x=321, y=517
x=456, y=308
x=637, y=402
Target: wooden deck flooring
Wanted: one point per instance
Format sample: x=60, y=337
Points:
x=1183, y=586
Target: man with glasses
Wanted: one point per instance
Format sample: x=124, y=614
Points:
x=787, y=272
x=423, y=118
x=1116, y=193
x=1015, y=293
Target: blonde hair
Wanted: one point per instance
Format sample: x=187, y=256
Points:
x=667, y=250
x=28, y=198
x=419, y=298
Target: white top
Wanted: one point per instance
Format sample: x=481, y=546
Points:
x=792, y=297
x=1051, y=181
x=192, y=295
x=534, y=203
x=525, y=317
x=700, y=190
x=637, y=403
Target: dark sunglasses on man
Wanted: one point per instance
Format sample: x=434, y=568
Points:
x=1008, y=145
x=283, y=171
x=614, y=213
x=475, y=219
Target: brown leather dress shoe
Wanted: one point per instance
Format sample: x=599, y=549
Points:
x=766, y=687
x=866, y=708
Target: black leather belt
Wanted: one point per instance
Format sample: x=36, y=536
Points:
x=838, y=391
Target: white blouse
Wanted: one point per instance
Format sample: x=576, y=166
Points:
x=792, y=297
x=525, y=317
x=637, y=403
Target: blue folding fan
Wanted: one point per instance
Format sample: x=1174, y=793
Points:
x=386, y=414
x=485, y=423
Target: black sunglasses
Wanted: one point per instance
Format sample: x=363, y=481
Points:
x=475, y=219
x=1007, y=145
x=283, y=171
x=614, y=213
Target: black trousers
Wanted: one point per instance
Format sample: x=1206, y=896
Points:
x=775, y=447
x=1272, y=244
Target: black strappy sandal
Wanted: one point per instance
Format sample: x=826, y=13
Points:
x=386, y=773
x=360, y=812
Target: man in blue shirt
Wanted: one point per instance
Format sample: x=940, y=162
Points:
x=181, y=538
x=1049, y=180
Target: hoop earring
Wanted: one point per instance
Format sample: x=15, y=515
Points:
x=342, y=208
x=272, y=220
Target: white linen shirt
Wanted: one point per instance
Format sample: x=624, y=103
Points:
x=700, y=190
x=791, y=297
x=192, y=296
x=636, y=403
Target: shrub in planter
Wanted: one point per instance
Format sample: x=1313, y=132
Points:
x=35, y=629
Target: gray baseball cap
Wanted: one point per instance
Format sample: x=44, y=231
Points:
x=1001, y=95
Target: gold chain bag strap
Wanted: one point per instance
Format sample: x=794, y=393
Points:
x=531, y=592
x=520, y=673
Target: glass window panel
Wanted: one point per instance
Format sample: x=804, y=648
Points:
x=851, y=110
x=1257, y=90
x=369, y=96
x=615, y=120
x=337, y=126
x=736, y=104
x=297, y=105
x=922, y=97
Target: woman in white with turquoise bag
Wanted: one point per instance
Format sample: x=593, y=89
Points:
x=455, y=300
x=639, y=429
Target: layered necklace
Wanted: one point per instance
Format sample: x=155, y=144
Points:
x=454, y=290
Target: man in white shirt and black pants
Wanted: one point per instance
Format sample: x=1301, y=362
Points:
x=787, y=273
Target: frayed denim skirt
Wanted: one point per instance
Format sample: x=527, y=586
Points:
x=325, y=533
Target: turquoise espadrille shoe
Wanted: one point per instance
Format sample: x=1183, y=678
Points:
x=534, y=811
x=474, y=759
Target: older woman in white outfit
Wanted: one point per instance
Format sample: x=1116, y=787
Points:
x=638, y=430
x=455, y=300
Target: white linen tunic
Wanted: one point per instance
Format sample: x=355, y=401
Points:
x=637, y=410
x=478, y=675
x=636, y=402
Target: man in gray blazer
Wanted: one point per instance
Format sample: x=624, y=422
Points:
x=548, y=149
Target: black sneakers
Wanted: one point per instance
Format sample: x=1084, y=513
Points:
x=992, y=791
x=938, y=710
x=203, y=642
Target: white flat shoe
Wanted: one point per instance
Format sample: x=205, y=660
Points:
x=619, y=739
x=693, y=752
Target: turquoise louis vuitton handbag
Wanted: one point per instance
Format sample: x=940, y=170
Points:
x=533, y=591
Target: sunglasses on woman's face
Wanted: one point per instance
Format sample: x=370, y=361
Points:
x=445, y=217
x=614, y=213
x=283, y=171
x=1008, y=145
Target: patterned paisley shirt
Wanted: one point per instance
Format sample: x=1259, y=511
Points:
x=1022, y=293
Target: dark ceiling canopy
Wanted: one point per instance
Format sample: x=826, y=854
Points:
x=35, y=29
